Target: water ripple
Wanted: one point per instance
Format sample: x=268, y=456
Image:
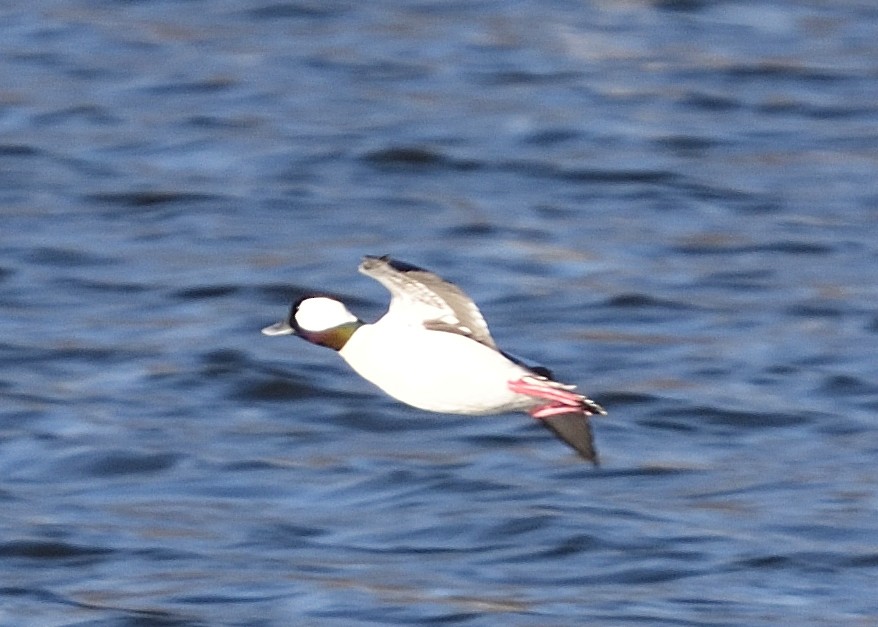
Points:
x=684, y=231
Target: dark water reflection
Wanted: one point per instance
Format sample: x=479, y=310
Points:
x=671, y=203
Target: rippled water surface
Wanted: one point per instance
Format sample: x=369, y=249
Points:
x=673, y=204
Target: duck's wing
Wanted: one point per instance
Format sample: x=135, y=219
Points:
x=574, y=428
x=421, y=297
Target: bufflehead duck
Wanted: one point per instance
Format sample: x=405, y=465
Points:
x=432, y=350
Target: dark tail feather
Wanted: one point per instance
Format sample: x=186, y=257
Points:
x=575, y=430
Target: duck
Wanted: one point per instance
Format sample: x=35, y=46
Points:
x=432, y=350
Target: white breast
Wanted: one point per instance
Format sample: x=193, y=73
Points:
x=434, y=370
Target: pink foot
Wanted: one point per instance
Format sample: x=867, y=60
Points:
x=545, y=411
x=539, y=388
x=561, y=400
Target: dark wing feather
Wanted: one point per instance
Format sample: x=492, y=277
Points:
x=575, y=430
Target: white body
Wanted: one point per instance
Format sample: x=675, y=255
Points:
x=435, y=370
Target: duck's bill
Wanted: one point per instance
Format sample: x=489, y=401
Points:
x=574, y=429
x=279, y=328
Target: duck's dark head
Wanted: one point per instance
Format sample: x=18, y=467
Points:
x=320, y=320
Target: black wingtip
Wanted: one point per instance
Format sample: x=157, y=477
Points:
x=370, y=261
x=574, y=429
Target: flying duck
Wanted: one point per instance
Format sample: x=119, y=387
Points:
x=432, y=350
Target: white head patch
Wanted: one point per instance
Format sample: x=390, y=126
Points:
x=321, y=313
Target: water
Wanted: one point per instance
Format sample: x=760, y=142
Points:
x=672, y=204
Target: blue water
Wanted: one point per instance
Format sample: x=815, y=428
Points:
x=672, y=204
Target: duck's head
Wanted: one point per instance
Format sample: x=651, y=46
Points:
x=319, y=320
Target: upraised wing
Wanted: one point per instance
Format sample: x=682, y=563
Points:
x=422, y=297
